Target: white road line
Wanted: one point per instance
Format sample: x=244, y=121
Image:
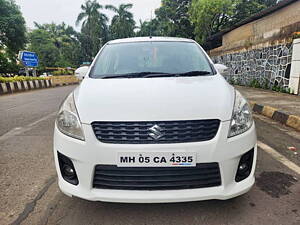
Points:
x=276, y=155
x=20, y=130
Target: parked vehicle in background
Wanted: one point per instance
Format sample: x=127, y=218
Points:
x=154, y=121
x=22, y=72
x=46, y=75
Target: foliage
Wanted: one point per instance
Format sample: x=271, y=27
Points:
x=62, y=72
x=12, y=26
x=255, y=83
x=231, y=81
x=174, y=18
x=266, y=85
x=210, y=16
x=296, y=35
x=246, y=8
x=122, y=23
x=94, y=29
x=20, y=78
x=40, y=42
x=12, y=35
x=149, y=28
x=282, y=89
x=8, y=63
x=56, y=45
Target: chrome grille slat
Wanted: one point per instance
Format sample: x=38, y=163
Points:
x=173, y=131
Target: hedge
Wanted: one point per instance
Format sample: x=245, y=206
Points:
x=20, y=78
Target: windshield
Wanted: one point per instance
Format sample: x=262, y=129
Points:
x=142, y=58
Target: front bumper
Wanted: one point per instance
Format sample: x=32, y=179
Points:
x=85, y=155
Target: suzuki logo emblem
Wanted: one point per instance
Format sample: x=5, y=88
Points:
x=156, y=132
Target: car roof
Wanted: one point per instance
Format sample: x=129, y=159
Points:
x=150, y=39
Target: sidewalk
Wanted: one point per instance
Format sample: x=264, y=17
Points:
x=289, y=104
x=281, y=107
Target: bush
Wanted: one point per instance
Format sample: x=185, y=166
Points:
x=20, y=78
x=296, y=35
x=62, y=72
x=232, y=81
x=285, y=90
x=266, y=84
x=255, y=83
x=8, y=65
x=57, y=73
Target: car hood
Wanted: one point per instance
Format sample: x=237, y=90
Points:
x=154, y=99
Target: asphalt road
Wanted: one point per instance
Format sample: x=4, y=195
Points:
x=29, y=193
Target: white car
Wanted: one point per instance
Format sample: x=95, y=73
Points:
x=154, y=121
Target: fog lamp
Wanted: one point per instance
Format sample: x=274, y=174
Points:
x=245, y=166
x=67, y=169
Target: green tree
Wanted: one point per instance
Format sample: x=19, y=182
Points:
x=144, y=29
x=8, y=63
x=56, y=45
x=154, y=27
x=210, y=16
x=174, y=19
x=246, y=8
x=149, y=28
x=12, y=35
x=41, y=43
x=122, y=24
x=94, y=30
x=12, y=26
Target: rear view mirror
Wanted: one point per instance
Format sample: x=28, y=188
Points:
x=81, y=72
x=222, y=69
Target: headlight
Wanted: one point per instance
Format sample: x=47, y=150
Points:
x=241, y=119
x=67, y=120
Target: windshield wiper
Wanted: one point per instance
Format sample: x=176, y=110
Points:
x=133, y=75
x=193, y=73
x=156, y=74
x=186, y=74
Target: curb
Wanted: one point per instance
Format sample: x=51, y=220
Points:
x=277, y=115
x=21, y=86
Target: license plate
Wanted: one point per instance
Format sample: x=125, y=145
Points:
x=156, y=159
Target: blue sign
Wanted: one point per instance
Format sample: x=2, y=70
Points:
x=29, y=59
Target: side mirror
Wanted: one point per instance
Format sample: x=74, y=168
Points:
x=81, y=72
x=222, y=69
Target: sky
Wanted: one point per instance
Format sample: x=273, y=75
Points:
x=58, y=11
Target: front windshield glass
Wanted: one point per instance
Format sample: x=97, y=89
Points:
x=152, y=57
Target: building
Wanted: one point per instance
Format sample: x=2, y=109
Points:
x=263, y=48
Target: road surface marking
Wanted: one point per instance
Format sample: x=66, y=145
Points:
x=276, y=155
x=20, y=130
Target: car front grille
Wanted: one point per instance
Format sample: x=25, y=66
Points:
x=156, y=132
x=203, y=175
